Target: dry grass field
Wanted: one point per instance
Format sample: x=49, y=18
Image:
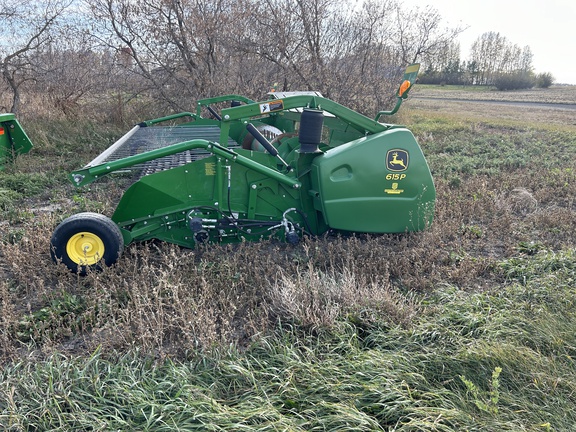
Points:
x=552, y=95
x=469, y=325
x=538, y=107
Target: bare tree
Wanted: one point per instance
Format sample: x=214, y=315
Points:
x=329, y=46
x=289, y=34
x=172, y=52
x=185, y=49
x=349, y=53
x=495, y=55
x=25, y=27
x=177, y=46
x=419, y=33
x=69, y=72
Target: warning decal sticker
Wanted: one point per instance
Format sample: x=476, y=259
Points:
x=271, y=106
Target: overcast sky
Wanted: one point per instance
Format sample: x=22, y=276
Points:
x=548, y=27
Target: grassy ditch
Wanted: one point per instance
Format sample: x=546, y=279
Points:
x=469, y=325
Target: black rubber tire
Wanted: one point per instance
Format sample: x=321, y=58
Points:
x=98, y=226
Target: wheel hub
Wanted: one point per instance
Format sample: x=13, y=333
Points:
x=85, y=248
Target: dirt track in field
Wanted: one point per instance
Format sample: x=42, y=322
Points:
x=556, y=106
x=553, y=95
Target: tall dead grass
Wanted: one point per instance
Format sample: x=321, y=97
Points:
x=170, y=301
x=167, y=300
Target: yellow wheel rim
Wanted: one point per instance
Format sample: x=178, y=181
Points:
x=85, y=248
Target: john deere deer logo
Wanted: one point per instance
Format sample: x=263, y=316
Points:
x=397, y=160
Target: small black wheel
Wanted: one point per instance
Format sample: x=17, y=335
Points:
x=86, y=240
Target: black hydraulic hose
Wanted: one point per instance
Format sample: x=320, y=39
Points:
x=266, y=144
x=262, y=139
x=214, y=113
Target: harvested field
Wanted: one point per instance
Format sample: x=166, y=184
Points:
x=469, y=325
x=538, y=107
x=552, y=95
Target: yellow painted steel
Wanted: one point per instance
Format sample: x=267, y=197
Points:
x=85, y=248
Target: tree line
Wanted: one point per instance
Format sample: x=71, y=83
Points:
x=67, y=55
x=493, y=60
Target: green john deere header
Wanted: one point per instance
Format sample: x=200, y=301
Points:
x=235, y=170
x=13, y=139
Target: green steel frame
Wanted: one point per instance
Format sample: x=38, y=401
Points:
x=365, y=176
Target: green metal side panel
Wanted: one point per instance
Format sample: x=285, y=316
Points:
x=13, y=139
x=377, y=184
x=157, y=206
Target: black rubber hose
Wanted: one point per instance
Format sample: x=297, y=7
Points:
x=262, y=139
x=214, y=113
